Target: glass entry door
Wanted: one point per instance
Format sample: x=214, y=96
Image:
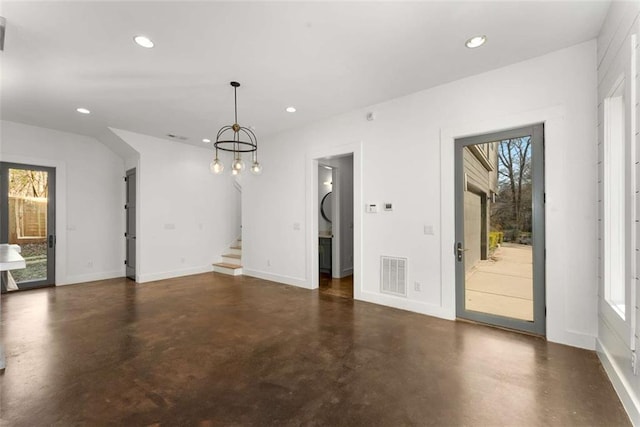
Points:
x=500, y=229
x=27, y=219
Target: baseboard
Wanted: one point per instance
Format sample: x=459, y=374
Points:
x=287, y=280
x=92, y=277
x=409, y=305
x=622, y=387
x=347, y=272
x=152, y=277
x=573, y=339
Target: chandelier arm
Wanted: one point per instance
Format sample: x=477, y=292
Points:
x=253, y=141
x=223, y=130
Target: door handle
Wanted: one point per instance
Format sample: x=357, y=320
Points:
x=51, y=241
x=460, y=251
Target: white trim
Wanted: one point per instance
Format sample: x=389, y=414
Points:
x=633, y=182
x=406, y=304
x=287, y=280
x=622, y=387
x=614, y=198
x=336, y=221
x=143, y=278
x=552, y=117
x=92, y=277
x=347, y=272
x=312, y=157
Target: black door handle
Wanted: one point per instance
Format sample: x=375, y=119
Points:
x=51, y=240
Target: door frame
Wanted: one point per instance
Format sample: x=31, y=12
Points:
x=538, y=326
x=312, y=160
x=51, y=217
x=128, y=174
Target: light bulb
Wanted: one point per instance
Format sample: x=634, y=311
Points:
x=256, y=168
x=238, y=165
x=235, y=172
x=216, y=166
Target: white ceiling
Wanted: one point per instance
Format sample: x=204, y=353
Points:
x=325, y=58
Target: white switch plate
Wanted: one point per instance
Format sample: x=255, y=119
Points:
x=371, y=208
x=428, y=230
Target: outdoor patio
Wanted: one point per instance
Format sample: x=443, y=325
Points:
x=503, y=284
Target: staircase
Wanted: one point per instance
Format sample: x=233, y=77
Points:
x=232, y=261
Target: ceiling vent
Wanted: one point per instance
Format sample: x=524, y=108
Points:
x=178, y=137
x=3, y=25
x=393, y=275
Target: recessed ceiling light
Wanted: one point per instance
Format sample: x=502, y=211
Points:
x=83, y=110
x=143, y=41
x=206, y=140
x=476, y=41
x=291, y=109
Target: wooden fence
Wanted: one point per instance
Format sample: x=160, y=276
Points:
x=27, y=219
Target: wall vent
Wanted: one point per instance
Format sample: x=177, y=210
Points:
x=393, y=275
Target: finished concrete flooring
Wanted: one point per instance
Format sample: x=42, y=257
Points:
x=213, y=350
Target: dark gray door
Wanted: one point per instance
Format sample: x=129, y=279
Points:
x=27, y=219
x=499, y=249
x=130, y=234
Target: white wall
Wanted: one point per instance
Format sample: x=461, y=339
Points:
x=617, y=337
x=406, y=156
x=89, y=198
x=186, y=215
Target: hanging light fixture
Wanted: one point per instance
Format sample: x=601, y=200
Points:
x=229, y=139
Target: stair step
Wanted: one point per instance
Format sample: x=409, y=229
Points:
x=237, y=256
x=227, y=268
x=227, y=265
x=236, y=247
x=232, y=258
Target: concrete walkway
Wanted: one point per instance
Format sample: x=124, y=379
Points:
x=503, y=285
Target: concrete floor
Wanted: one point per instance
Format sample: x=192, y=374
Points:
x=343, y=287
x=212, y=350
x=503, y=285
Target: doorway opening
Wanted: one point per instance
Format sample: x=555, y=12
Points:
x=27, y=219
x=130, y=233
x=335, y=225
x=500, y=245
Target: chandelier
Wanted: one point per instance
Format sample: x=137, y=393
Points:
x=236, y=139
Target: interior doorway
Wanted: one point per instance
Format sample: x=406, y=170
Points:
x=335, y=218
x=27, y=219
x=130, y=233
x=500, y=268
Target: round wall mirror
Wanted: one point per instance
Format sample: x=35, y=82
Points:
x=325, y=207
